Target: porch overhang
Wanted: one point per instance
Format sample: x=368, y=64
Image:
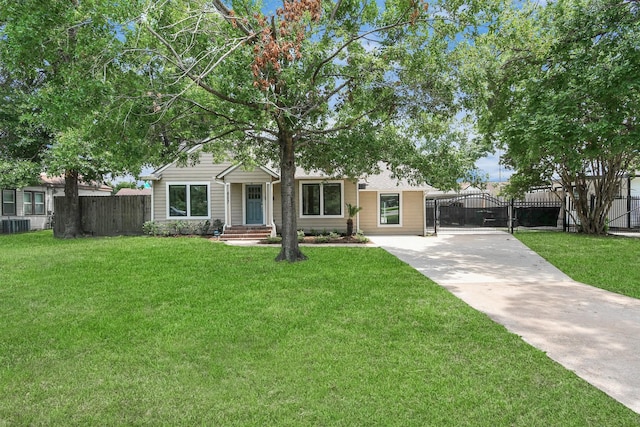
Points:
x=235, y=174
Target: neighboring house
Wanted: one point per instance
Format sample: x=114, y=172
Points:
x=237, y=196
x=35, y=203
x=134, y=192
x=625, y=209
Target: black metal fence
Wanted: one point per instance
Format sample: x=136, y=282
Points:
x=623, y=215
x=483, y=211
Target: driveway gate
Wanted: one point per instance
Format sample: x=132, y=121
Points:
x=480, y=212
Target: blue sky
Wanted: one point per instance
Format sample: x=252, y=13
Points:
x=490, y=165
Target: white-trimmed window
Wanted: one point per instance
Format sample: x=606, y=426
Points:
x=33, y=203
x=188, y=200
x=8, y=202
x=321, y=198
x=389, y=209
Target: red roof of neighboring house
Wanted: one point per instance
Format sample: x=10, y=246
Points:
x=134, y=192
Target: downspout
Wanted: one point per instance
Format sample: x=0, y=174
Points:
x=629, y=201
x=153, y=192
x=358, y=205
x=225, y=190
x=424, y=213
x=273, y=221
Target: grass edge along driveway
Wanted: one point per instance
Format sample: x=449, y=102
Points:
x=184, y=331
x=610, y=262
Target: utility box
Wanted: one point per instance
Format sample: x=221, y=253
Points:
x=11, y=226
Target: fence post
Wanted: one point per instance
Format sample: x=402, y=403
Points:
x=565, y=214
x=511, y=216
x=628, y=202
x=435, y=217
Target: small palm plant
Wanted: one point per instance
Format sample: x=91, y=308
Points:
x=351, y=212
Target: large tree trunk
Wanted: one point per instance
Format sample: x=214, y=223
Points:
x=72, y=216
x=290, y=250
x=592, y=198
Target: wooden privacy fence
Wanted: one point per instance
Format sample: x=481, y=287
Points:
x=107, y=216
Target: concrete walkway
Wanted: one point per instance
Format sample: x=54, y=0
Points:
x=592, y=332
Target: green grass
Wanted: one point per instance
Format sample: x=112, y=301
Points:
x=183, y=331
x=607, y=262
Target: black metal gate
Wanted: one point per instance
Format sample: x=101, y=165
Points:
x=482, y=212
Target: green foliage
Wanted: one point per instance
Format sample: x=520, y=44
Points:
x=18, y=173
x=560, y=92
x=178, y=228
x=125, y=184
x=273, y=240
x=338, y=90
x=67, y=82
x=352, y=210
x=360, y=237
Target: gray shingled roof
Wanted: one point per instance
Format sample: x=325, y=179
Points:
x=385, y=181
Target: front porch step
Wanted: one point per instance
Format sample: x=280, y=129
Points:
x=248, y=232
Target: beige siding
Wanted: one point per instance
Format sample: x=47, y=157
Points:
x=236, y=204
x=319, y=224
x=413, y=220
x=368, y=214
x=256, y=176
x=217, y=201
x=204, y=171
x=412, y=212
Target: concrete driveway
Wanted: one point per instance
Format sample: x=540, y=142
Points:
x=592, y=332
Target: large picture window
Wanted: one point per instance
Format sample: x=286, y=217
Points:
x=321, y=199
x=188, y=200
x=390, y=209
x=33, y=203
x=8, y=202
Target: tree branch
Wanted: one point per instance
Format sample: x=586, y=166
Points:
x=198, y=79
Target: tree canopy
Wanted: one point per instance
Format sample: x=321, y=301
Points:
x=336, y=86
x=22, y=139
x=331, y=85
x=562, y=97
x=60, y=83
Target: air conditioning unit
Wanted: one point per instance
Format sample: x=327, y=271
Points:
x=11, y=226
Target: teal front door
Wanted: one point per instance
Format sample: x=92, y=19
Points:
x=254, y=204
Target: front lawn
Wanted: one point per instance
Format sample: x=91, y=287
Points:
x=607, y=262
x=184, y=331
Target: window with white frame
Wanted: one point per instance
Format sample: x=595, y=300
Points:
x=8, y=202
x=321, y=199
x=33, y=202
x=188, y=200
x=389, y=208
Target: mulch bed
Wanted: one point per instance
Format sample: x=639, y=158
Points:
x=320, y=240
